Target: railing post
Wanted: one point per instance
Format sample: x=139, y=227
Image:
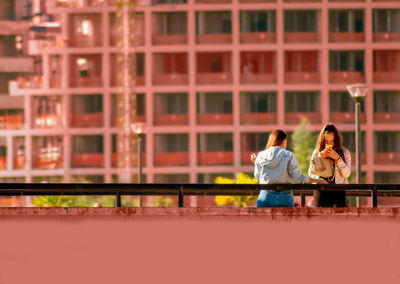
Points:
x=180, y=195
x=302, y=199
x=118, y=199
x=374, y=197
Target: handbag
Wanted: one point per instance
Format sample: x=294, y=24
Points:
x=321, y=167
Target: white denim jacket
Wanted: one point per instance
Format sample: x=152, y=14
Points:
x=342, y=168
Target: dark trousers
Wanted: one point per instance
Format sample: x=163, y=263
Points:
x=330, y=198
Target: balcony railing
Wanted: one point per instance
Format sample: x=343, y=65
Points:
x=303, y=37
x=48, y=161
x=386, y=77
x=175, y=189
x=346, y=77
x=258, y=118
x=15, y=121
x=346, y=37
x=257, y=1
x=301, y=77
x=214, y=38
x=295, y=117
x=139, y=118
x=215, y=158
x=94, y=81
x=214, y=78
x=258, y=37
x=134, y=157
x=87, y=160
x=245, y=157
x=386, y=117
x=47, y=120
x=170, y=79
x=19, y=163
x=213, y=1
x=171, y=119
x=139, y=39
x=171, y=159
x=3, y=163
x=386, y=37
x=215, y=118
x=345, y=117
x=87, y=120
x=387, y=158
x=170, y=39
x=258, y=78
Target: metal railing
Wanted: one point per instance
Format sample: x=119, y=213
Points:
x=192, y=189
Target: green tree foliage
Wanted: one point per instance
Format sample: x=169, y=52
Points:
x=240, y=201
x=54, y=201
x=303, y=141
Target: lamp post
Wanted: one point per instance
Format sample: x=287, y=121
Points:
x=358, y=93
x=139, y=128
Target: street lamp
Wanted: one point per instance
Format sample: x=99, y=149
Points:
x=358, y=93
x=139, y=128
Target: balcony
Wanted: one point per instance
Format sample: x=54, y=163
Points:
x=213, y=78
x=47, y=120
x=24, y=84
x=16, y=64
x=258, y=37
x=214, y=1
x=174, y=39
x=215, y=119
x=114, y=159
x=386, y=117
x=87, y=120
x=346, y=77
x=3, y=163
x=258, y=118
x=37, y=46
x=93, y=81
x=346, y=37
x=257, y=1
x=345, y=117
x=139, y=118
x=387, y=158
x=171, y=159
x=295, y=117
x=213, y=27
x=386, y=36
x=87, y=160
x=214, y=39
x=301, y=1
x=15, y=121
x=258, y=79
x=171, y=119
x=245, y=158
x=215, y=158
x=301, y=77
x=48, y=161
x=19, y=163
x=386, y=77
x=301, y=37
x=170, y=79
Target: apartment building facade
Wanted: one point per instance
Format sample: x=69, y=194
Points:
x=212, y=79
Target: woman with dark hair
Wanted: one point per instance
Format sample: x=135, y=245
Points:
x=329, y=146
x=275, y=164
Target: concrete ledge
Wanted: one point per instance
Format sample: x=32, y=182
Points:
x=272, y=213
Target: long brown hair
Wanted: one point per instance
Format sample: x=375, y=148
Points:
x=276, y=138
x=329, y=128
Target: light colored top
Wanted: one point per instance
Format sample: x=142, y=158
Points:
x=342, y=168
x=277, y=165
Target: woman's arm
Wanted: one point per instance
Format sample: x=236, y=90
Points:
x=344, y=166
x=294, y=171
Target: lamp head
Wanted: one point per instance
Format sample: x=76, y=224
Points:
x=138, y=128
x=357, y=92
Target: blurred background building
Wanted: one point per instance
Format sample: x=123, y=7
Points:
x=212, y=78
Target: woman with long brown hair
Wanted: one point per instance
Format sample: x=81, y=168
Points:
x=275, y=164
x=329, y=146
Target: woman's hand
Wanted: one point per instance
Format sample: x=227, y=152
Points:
x=330, y=153
x=253, y=157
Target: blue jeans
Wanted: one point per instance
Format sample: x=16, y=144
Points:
x=270, y=198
